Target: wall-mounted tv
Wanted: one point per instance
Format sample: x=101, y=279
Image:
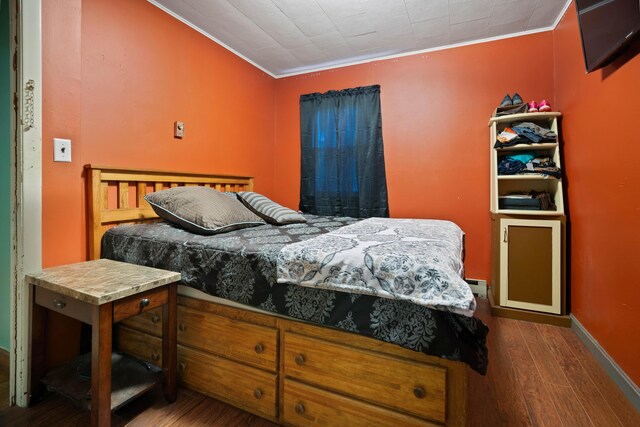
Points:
x=606, y=27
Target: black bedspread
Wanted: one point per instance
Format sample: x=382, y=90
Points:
x=241, y=266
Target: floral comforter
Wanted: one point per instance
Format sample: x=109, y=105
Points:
x=415, y=260
x=241, y=266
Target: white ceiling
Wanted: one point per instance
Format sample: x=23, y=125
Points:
x=287, y=37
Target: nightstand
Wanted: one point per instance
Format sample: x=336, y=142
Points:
x=101, y=293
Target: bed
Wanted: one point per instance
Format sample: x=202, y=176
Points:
x=284, y=352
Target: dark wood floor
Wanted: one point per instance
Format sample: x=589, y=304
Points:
x=4, y=388
x=538, y=375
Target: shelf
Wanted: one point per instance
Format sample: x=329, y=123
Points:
x=526, y=182
x=527, y=177
x=530, y=117
x=527, y=212
x=529, y=147
x=130, y=378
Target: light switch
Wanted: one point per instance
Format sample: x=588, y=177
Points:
x=178, y=129
x=61, y=150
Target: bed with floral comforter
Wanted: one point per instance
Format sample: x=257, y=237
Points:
x=242, y=266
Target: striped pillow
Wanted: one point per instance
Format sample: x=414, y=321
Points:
x=269, y=210
x=201, y=210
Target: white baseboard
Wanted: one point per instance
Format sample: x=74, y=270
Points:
x=628, y=387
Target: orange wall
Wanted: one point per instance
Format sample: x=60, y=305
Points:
x=435, y=109
x=602, y=147
x=116, y=75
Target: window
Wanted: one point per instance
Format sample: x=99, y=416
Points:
x=342, y=164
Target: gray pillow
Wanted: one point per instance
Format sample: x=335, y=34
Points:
x=269, y=210
x=201, y=210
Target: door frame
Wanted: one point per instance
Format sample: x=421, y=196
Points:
x=26, y=173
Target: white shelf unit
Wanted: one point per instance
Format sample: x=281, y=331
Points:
x=528, y=246
x=504, y=184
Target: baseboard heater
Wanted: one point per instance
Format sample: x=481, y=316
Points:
x=478, y=287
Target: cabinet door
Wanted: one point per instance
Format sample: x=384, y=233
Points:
x=530, y=257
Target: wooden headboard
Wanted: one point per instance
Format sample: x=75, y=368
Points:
x=116, y=195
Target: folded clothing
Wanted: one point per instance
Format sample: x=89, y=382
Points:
x=527, y=133
x=527, y=162
x=507, y=135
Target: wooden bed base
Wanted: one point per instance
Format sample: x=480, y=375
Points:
x=286, y=371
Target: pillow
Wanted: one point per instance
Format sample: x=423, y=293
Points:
x=201, y=210
x=269, y=210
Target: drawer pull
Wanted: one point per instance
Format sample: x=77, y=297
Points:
x=419, y=392
x=299, y=408
x=59, y=304
x=258, y=348
x=299, y=359
x=182, y=366
x=182, y=327
x=257, y=393
x=155, y=356
x=155, y=318
x=144, y=302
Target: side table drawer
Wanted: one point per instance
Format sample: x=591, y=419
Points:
x=139, y=303
x=63, y=304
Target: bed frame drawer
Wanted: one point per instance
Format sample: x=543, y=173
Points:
x=138, y=344
x=231, y=338
x=248, y=388
x=307, y=406
x=415, y=388
x=149, y=322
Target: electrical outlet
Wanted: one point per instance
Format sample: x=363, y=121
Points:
x=61, y=150
x=178, y=129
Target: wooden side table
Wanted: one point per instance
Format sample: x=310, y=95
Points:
x=100, y=293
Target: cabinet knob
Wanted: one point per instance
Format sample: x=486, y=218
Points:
x=182, y=366
x=299, y=359
x=144, y=302
x=59, y=304
x=299, y=408
x=155, y=318
x=258, y=348
x=419, y=392
x=257, y=393
x=182, y=327
x=155, y=356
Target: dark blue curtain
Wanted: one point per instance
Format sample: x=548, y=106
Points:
x=342, y=155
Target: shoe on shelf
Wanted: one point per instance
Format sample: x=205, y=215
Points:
x=533, y=107
x=517, y=99
x=544, y=106
x=506, y=101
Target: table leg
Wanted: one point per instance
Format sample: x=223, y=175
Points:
x=101, y=364
x=169, y=341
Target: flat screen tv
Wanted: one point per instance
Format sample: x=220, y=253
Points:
x=606, y=27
